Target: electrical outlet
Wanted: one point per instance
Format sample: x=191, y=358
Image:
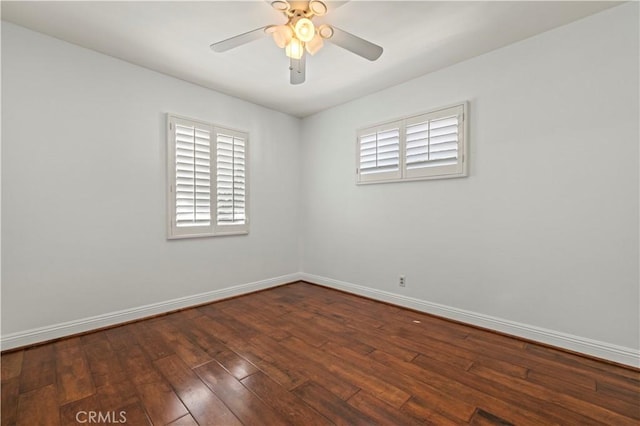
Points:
x=401, y=282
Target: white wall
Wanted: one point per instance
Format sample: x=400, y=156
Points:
x=83, y=187
x=544, y=231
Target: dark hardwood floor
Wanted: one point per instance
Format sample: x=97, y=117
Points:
x=306, y=355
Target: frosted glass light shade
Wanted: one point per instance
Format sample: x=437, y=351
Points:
x=304, y=29
x=294, y=49
x=282, y=35
x=317, y=7
x=314, y=45
x=325, y=31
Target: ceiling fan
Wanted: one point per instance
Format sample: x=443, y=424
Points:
x=299, y=34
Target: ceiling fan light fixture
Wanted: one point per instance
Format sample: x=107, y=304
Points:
x=299, y=34
x=325, y=31
x=304, y=29
x=314, y=45
x=294, y=49
x=282, y=35
x=317, y=7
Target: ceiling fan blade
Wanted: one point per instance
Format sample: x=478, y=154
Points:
x=239, y=40
x=355, y=44
x=297, y=69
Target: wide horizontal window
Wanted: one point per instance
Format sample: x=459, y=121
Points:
x=425, y=146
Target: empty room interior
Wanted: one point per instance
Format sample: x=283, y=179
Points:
x=316, y=213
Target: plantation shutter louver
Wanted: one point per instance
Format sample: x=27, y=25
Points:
x=379, y=150
x=193, y=177
x=433, y=145
x=231, y=178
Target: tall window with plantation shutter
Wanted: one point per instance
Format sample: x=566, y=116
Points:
x=425, y=146
x=207, y=179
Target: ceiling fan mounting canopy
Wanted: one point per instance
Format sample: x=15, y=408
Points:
x=299, y=34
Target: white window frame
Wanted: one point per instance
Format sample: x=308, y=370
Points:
x=459, y=169
x=214, y=228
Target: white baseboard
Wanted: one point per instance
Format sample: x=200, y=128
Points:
x=43, y=334
x=608, y=351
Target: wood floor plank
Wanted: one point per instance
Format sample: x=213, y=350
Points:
x=498, y=366
x=491, y=383
x=462, y=387
x=73, y=374
x=138, y=366
x=192, y=354
x=285, y=403
x=256, y=319
x=520, y=357
x=498, y=339
x=510, y=361
x=38, y=368
x=354, y=316
x=39, y=407
x=135, y=415
x=592, y=411
x=379, y=411
x=305, y=367
x=373, y=337
x=404, y=380
x=425, y=412
x=242, y=346
x=197, y=332
x=238, y=366
x=220, y=330
x=615, y=391
x=273, y=303
x=336, y=365
x=237, y=328
x=160, y=402
x=151, y=341
x=12, y=365
x=121, y=337
x=273, y=352
x=201, y=402
x=342, y=314
x=305, y=354
x=591, y=396
x=309, y=334
x=600, y=369
x=103, y=361
x=331, y=406
x=333, y=331
x=244, y=404
x=9, y=404
x=78, y=412
x=184, y=421
x=115, y=396
x=484, y=418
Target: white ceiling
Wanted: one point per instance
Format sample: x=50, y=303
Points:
x=174, y=37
